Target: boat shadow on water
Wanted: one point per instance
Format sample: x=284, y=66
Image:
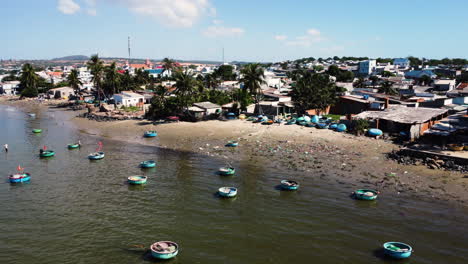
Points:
x=380, y=254
x=145, y=254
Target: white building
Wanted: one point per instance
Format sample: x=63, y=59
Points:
x=128, y=98
x=9, y=88
x=62, y=92
x=401, y=63
x=367, y=67
x=444, y=85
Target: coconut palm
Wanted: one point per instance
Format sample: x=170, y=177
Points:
x=210, y=81
x=253, y=77
x=112, y=79
x=96, y=67
x=387, y=88
x=28, y=81
x=168, y=65
x=74, y=81
x=360, y=83
x=185, y=86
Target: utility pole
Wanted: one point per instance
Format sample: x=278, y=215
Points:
x=129, y=50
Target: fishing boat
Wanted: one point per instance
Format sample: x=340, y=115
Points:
x=314, y=119
x=374, y=132
x=333, y=126
x=242, y=116
x=19, y=177
x=231, y=116
x=149, y=134
x=310, y=124
x=365, y=194
x=397, y=250
x=37, y=130
x=148, y=164
x=268, y=122
x=232, y=143
x=322, y=125
x=96, y=155
x=251, y=118
x=289, y=185
x=164, y=249
x=46, y=153
x=227, y=171
x=73, y=146
x=455, y=147
x=291, y=121
x=31, y=114
x=227, y=191
x=136, y=180
x=173, y=118
x=302, y=123
x=341, y=128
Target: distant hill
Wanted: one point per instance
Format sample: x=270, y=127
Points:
x=73, y=57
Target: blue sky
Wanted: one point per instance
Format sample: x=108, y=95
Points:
x=255, y=30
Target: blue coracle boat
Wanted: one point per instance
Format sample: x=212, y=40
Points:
x=289, y=185
x=341, y=128
x=164, y=249
x=148, y=164
x=333, y=126
x=397, y=250
x=322, y=125
x=137, y=180
x=365, y=194
x=374, y=132
x=150, y=134
x=227, y=191
x=96, y=155
x=232, y=143
x=227, y=171
x=16, y=178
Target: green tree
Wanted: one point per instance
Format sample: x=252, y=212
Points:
x=243, y=98
x=360, y=83
x=414, y=62
x=426, y=80
x=112, y=80
x=210, y=81
x=375, y=80
x=141, y=78
x=314, y=91
x=387, y=74
x=168, y=65
x=28, y=81
x=333, y=70
x=318, y=68
x=225, y=72
x=253, y=77
x=74, y=81
x=185, y=87
x=96, y=67
x=387, y=88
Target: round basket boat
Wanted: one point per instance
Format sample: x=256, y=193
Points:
x=341, y=128
x=227, y=192
x=164, y=249
x=150, y=134
x=37, y=130
x=455, y=147
x=96, y=156
x=137, y=180
x=232, y=143
x=46, y=153
x=365, y=194
x=148, y=164
x=289, y=185
x=227, y=171
x=374, y=132
x=397, y=250
x=20, y=177
x=73, y=146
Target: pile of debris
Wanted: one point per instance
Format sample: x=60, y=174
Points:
x=107, y=113
x=431, y=162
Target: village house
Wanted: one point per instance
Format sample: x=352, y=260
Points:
x=61, y=92
x=412, y=121
x=444, y=85
x=353, y=105
x=9, y=88
x=204, y=109
x=128, y=98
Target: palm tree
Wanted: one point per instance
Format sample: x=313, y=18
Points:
x=167, y=65
x=96, y=67
x=28, y=81
x=112, y=79
x=253, y=77
x=387, y=88
x=211, y=81
x=185, y=86
x=374, y=80
x=360, y=83
x=74, y=81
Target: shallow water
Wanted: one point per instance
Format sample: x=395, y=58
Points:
x=78, y=211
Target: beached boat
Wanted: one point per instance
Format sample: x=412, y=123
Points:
x=310, y=124
x=365, y=194
x=232, y=143
x=268, y=122
x=19, y=177
x=251, y=118
x=242, y=116
x=333, y=126
x=341, y=128
x=302, y=123
x=314, y=119
x=397, y=250
x=73, y=146
x=31, y=114
x=227, y=171
x=148, y=164
x=37, y=130
x=322, y=125
x=96, y=155
x=46, y=153
x=374, y=132
x=227, y=191
x=173, y=118
x=455, y=147
x=150, y=134
x=137, y=180
x=164, y=249
x=289, y=185
x=291, y=121
x=230, y=116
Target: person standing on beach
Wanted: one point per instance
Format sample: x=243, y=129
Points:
x=5, y=147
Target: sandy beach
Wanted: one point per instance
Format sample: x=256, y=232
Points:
x=324, y=154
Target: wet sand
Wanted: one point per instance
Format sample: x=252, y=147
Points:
x=342, y=158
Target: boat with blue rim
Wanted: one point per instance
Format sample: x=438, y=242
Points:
x=374, y=132
x=232, y=143
x=227, y=191
x=227, y=171
x=289, y=185
x=365, y=194
x=96, y=155
x=150, y=134
x=164, y=249
x=19, y=177
x=46, y=153
x=397, y=250
x=148, y=164
x=137, y=180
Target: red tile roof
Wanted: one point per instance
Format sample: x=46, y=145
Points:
x=462, y=86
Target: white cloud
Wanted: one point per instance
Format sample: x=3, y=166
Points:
x=314, y=32
x=91, y=11
x=68, y=7
x=281, y=37
x=221, y=31
x=177, y=13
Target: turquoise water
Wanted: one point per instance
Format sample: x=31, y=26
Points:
x=78, y=211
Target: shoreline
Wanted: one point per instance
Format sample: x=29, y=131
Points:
x=328, y=155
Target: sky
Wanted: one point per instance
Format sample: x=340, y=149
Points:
x=248, y=30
